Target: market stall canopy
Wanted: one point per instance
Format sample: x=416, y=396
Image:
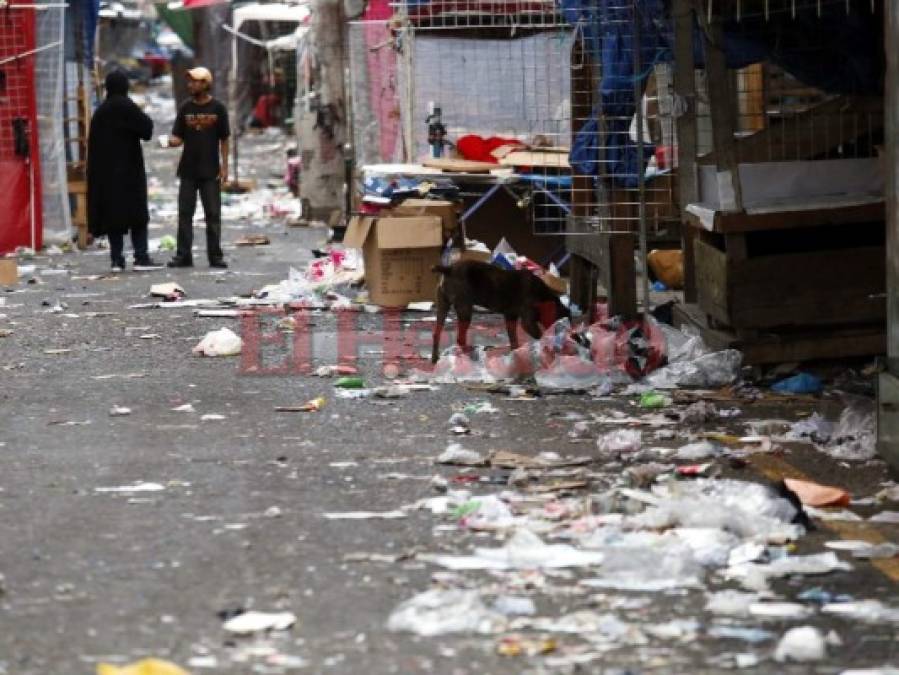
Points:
x=289, y=42
x=299, y=13
x=192, y=4
x=179, y=21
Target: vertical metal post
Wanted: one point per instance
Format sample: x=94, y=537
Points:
x=235, y=114
x=641, y=173
x=891, y=130
x=888, y=382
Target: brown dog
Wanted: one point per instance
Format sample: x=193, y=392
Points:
x=517, y=295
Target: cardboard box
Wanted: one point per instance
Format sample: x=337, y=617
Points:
x=399, y=255
x=469, y=254
x=557, y=284
x=9, y=272
x=446, y=211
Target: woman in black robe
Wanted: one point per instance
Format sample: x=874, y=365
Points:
x=116, y=179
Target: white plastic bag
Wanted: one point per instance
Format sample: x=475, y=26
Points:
x=221, y=342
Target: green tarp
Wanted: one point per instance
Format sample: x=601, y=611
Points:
x=180, y=21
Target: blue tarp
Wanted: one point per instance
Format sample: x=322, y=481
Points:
x=81, y=22
x=838, y=53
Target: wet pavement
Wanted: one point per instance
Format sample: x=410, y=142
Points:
x=134, y=535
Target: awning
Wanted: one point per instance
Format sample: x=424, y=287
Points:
x=180, y=22
x=298, y=13
x=193, y=4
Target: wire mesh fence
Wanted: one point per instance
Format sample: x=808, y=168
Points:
x=48, y=67
x=583, y=94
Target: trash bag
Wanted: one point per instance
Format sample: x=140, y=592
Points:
x=440, y=612
x=709, y=371
x=221, y=342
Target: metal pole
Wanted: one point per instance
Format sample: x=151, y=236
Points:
x=31, y=203
x=235, y=122
x=891, y=131
x=641, y=173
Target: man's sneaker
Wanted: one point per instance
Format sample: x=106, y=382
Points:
x=180, y=262
x=118, y=265
x=219, y=262
x=144, y=264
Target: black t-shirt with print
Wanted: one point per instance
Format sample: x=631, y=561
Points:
x=201, y=127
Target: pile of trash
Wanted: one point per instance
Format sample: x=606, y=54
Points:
x=726, y=540
x=326, y=283
x=599, y=358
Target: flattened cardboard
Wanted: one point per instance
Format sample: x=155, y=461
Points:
x=557, y=284
x=9, y=272
x=357, y=231
x=453, y=165
x=470, y=254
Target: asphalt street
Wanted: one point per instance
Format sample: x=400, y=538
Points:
x=237, y=519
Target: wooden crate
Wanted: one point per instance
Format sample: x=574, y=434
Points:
x=788, y=345
x=809, y=288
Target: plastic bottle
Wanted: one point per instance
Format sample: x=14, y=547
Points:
x=350, y=383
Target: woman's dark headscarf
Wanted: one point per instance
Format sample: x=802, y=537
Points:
x=116, y=83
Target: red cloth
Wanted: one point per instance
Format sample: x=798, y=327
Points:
x=266, y=109
x=478, y=148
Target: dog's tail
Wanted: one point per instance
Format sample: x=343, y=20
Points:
x=441, y=269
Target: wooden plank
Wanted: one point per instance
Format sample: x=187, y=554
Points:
x=817, y=130
x=788, y=346
x=623, y=276
x=77, y=189
x=688, y=238
x=812, y=347
x=800, y=289
x=458, y=165
x=811, y=288
x=585, y=248
x=582, y=280
x=685, y=89
x=785, y=220
x=536, y=158
x=751, y=97
x=722, y=104
x=711, y=281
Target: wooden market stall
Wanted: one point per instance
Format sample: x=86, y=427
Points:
x=785, y=239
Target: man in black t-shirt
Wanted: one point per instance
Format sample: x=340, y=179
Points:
x=202, y=128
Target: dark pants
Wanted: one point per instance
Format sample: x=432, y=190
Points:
x=138, y=241
x=211, y=196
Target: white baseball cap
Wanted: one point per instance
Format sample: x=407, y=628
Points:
x=200, y=73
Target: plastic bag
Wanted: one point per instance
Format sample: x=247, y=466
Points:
x=699, y=450
x=716, y=369
x=439, y=612
x=647, y=562
x=802, y=644
x=455, y=365
x=524, y=550
x=801, y=383
x=746, y=509
x=221, y=342
x=621, y=440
